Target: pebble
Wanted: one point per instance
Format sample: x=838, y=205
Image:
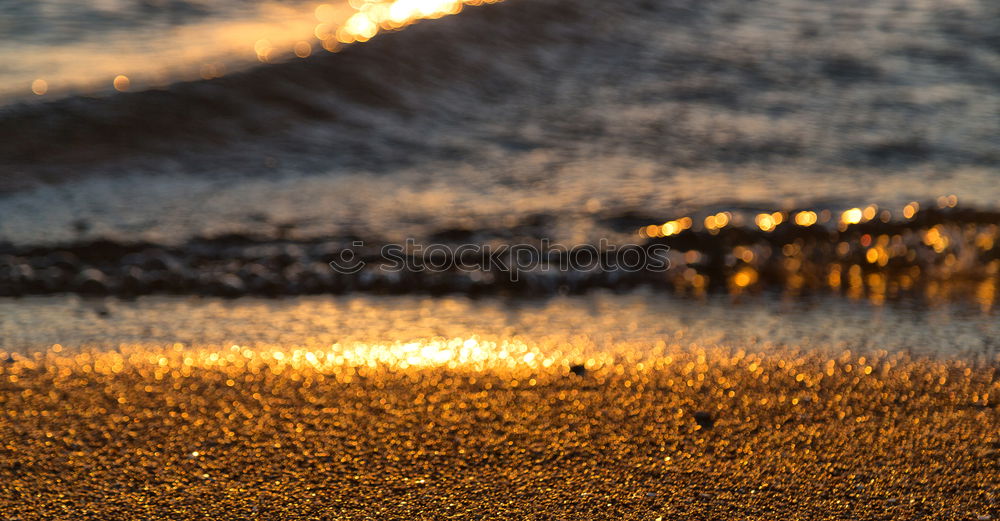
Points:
x=704, y=419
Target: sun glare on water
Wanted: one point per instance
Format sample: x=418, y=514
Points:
x=273, y=32
x=360, y=20
x=369, y=17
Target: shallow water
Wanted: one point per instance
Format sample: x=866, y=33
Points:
x=636, y=122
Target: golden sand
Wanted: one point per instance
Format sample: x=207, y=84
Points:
x=715, y=433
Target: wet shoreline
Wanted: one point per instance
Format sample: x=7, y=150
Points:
x=932, y=255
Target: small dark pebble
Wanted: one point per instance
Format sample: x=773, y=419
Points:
x=704, y=419
x=102, y=310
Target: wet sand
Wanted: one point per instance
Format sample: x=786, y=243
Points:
x=513, y=424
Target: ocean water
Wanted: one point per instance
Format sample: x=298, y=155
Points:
x=567, y=108
x=792, y=147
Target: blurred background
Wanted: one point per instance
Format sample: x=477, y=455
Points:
x=236, y=147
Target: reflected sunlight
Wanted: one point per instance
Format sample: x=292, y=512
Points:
x=272, y=30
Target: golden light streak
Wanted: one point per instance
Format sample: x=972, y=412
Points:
x=274, y=31
x=373, y=16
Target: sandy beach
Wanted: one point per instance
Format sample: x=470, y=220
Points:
x=628, y=414
x=699, y=435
